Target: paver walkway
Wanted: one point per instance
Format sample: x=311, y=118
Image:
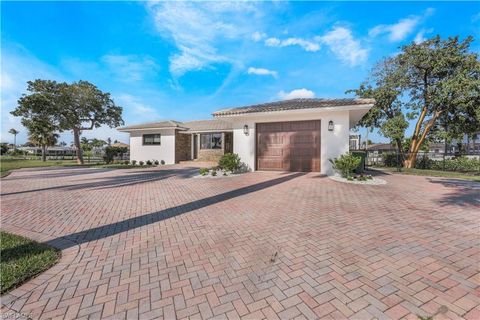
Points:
x=156, y=243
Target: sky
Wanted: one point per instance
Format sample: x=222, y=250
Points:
x=184, y=60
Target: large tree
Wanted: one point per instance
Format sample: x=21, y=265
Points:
x=77, y=107
x=429, y=81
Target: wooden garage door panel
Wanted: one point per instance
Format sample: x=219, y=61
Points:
x=289, y=146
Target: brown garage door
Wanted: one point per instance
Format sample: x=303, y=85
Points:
x=288, y=146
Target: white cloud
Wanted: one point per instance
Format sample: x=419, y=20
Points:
x=296, y=94
x=402, y=29
x=136, y=110
x=257, y=36
x=304, y=44
x=200, y=31
x=420, y=37
x=342, y=43
x=130, y=67
x=262, y=72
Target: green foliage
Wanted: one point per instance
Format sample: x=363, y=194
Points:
x=3, y=148
x=111, y=152
x=345, y=164
x=156, y=162
x=436, y=82
x=162, y=162
x=69, y=107
x=203, y=171
x=394, y=128
x=229, y=162
x=149, y=162
x=134, y=162
x=141, y=163
x=22, y=259
x=214, y=173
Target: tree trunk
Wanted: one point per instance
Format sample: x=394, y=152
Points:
x=14, y=142
x=76, y=140
x=417, y=141
x=44, y=153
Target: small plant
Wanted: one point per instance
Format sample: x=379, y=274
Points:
x=141, y=163
x=149, y=162
x=345, y=164
x=203, y=171
x=162, y=162
x=229, y=162
x=126, y=162
x=350, y=178
x=134, y=162
x=214, y=173
x=156, y=162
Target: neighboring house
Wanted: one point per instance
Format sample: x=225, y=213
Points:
x=290, y=135
x=55, y=151
x=120, y=145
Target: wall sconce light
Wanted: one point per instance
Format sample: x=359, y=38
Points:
x=245, y=129
x=330, y=125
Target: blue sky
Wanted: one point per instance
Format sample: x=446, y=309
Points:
x=182, y=61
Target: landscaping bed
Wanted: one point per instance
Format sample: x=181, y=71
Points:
x=22, y=259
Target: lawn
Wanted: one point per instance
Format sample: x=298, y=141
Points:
x=22, y=259
x=433, y=173
x=7, y=164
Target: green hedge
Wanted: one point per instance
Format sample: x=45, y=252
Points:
x=461, y=164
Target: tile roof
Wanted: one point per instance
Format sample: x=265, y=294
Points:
x=203, y=125
x=197, y=125
x=155, y=125
x=293, y=104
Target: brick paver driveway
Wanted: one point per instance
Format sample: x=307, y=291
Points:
x=156, y=243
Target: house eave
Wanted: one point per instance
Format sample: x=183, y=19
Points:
x=296, y=111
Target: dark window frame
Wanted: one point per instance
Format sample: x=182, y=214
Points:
x=211, y=143
x=153, y=143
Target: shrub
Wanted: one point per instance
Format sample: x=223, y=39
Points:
x=162, y=162
x=156, y=162
x=141, y=163
x=345, y=164
x=126, y=162
x=214, y=173
x=229, y=162
x=111, y=152
x=149, y=162
x=134, y=162
x=203, y=171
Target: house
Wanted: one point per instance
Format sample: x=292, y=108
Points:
x=289, y=135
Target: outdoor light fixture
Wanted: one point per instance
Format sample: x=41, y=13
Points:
x=245, y=129
x=330, y=125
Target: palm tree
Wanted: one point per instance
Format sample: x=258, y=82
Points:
x=44, y=138
x=14, y=132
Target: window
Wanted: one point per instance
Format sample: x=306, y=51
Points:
x=211, y=141
x=151, y=139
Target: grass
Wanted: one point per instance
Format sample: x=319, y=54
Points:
x=8, y=164
x=22, y=259
x=434, y=173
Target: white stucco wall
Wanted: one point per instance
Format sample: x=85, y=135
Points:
x=333, y=143
x=165, y=151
